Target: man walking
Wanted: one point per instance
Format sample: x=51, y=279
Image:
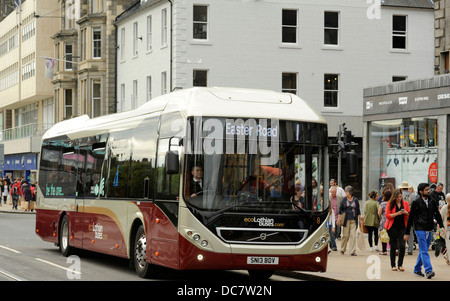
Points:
x=423, y=210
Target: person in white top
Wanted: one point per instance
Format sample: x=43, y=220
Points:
x=339, y=190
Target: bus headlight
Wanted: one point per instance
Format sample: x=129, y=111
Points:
x=204, y=243
x=316, y=245
x=323, y=240
x=196, y=237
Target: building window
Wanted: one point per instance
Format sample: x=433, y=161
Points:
x=68, y=56
x=96, y=98
x=399, y=31
x=134, y=97
x=331, y=28
x=200, y=30
x=200, y=78
x=164, y=27
x=96, y=6
x=135, y=38
x=289, y=26
x=68, y=104
x=289, y=82
x=122, y=44
x=331, y=90
x=96, y=43
x=149, y=88
x=163, y=83
x=149, y=33
x=122, y=97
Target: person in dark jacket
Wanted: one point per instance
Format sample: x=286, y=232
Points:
x=27, y=195
x=423, y=212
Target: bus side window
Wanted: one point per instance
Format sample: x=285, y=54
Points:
x=119, y=164
x=142, y=183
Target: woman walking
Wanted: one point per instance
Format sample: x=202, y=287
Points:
x=349, y=207
x=382, y=214
x=397, y=212
x=372, y=220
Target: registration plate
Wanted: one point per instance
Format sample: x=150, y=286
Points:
x=262, y=260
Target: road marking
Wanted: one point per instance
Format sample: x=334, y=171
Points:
x=12, y=276
x=58, y=266
x=9, y=249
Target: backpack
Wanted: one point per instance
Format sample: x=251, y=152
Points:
x=15, y=190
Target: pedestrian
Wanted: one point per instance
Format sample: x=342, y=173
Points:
x=16, y=192
x=5, y=191
x=371, y=219
x=335, y=201
x=339, y=190
x=384, y=237
x=438, y=195
x=348, y=218
x=423, y=210
x=27, y=196
x=397, y=212
x=387, y=186
x=445, y=214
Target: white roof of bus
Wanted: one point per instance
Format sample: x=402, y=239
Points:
x=208, y=102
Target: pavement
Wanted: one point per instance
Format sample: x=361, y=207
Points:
x=366, y=266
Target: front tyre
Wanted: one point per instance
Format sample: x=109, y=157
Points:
x=64, y=237
x=141, y=266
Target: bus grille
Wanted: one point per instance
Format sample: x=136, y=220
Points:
x=262, y=235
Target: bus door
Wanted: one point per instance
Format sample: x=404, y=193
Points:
x=164, y=222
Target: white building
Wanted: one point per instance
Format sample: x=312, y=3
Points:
x=324, y=51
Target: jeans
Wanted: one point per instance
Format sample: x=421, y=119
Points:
x=332, y=236
x=424, y=240
x=15, y=200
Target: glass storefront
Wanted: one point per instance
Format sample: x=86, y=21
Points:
x=402, y=150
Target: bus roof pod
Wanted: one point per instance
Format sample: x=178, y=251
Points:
x=205, y=101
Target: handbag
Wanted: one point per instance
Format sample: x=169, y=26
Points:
x=384, y=236
x=362, y=226
x=342, y=219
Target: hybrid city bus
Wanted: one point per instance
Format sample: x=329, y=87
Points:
x=123, y=184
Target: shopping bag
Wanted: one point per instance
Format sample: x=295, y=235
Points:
x=384, y=236
x=360, y=240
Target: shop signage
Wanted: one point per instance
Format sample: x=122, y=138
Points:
x=432, y=172
x=437, y=98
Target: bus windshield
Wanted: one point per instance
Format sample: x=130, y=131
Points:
x=265, y=165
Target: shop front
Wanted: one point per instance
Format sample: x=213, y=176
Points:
x=21, y=165
x=406, y=126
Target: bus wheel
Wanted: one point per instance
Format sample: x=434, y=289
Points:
x=141, y=266
x=260, y=274
x=64, y=236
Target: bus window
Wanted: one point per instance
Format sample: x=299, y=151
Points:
x=58, y=168
x=143, y=159
x=119, y=164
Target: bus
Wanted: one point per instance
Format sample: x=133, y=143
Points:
x=123, y=184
